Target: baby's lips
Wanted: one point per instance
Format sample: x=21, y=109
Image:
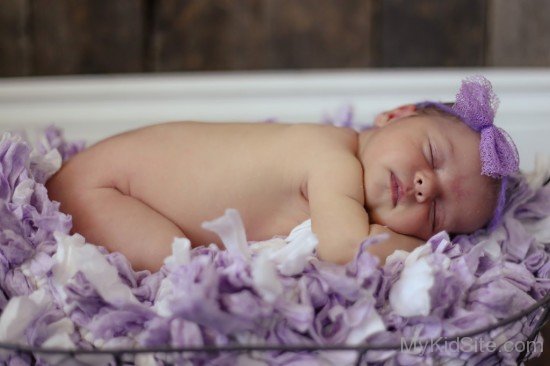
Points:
x=394, y=189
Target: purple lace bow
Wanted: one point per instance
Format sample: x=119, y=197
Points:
x=476, y=105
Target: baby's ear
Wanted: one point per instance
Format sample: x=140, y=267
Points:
x=384, y=118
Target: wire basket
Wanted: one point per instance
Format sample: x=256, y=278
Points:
x=530, y=321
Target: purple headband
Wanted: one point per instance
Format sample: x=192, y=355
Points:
x=476, y=105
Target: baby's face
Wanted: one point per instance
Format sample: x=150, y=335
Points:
x=422, y=175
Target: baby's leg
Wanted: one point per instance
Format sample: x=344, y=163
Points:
x=105, y=216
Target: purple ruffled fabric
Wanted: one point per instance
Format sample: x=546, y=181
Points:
x=476, y=104
x=59, y=291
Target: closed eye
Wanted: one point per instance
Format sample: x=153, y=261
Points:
x=433, y=215
x=434, y=206
x=432, y=155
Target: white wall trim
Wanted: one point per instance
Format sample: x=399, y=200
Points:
x=94, y=107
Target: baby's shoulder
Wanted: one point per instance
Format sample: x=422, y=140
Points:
x=332, y=164
x=330, y=151
x=326, y=138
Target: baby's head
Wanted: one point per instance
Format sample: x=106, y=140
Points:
x=430, y=166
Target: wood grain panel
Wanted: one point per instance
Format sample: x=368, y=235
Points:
x=86, y=36
x=255, y=34
x=432, y=33
x=519, y=33
x=14, y=41
x=208, y=35
x=320, y=33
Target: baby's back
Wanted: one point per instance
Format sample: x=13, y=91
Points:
x=191, y=172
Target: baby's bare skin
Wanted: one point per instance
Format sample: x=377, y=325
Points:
x=417, y=173
x=135, y=192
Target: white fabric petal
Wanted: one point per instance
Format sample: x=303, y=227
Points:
x=74, y=255
x=292, y=258
x=230, y=229
x=539, y=229
x=181, y=252
x=372, y=323
x=410, y=296
x=19, y=313
x=265, y=277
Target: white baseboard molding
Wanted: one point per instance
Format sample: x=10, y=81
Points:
x=93, y=107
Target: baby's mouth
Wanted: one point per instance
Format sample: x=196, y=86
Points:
x=395, y=190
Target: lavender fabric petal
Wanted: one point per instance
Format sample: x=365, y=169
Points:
x=199, y=286
x=365, y=267
x=53, y=140
x=14, y=155
x=335, y=280
x=17, y=284
x=148, y=288
x=328, y=327
x=40, y=331
x=127, y=320
x=500, y=298
x=464, y=320
x=14, y=247
x=299, y=316
x=83, y=300
x=44, y=166
x=157, y=333
x=317, y=296
x=186, y=333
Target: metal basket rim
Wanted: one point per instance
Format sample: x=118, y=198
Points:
x=288, y=348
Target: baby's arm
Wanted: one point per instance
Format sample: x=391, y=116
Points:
x=395, y=241
x=338, y=218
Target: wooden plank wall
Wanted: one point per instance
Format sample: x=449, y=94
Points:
x=126, y=36
x=14, y=39
x=86, y=36
x=519, y=33
x=432, y=33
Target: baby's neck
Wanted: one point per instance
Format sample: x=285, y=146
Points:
x=364, y=138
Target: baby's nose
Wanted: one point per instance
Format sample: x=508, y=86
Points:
x=424, y=187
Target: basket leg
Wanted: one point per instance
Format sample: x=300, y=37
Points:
x=360, y=356
x=524, y=355
x=118, y=359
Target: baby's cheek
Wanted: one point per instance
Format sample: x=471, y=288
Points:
x=457, y=187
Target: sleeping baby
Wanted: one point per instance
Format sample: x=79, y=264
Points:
x=423, y=168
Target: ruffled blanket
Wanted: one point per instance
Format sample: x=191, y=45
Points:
x=59, y=291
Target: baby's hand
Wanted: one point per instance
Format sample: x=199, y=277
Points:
x=395, y=241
